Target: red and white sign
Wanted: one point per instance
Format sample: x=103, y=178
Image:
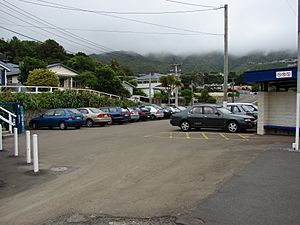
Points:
x=284, y=74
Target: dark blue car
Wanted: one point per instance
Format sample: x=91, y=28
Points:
x=118, y=114
x=61, y=118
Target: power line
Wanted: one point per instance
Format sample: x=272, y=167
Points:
x=291, y=8
x=14, y=16
x=34, y=31
x=108, y=31
x=23, y=35
x=37, y=19
x=192, y=4
x=136, y=21
x=53, y=5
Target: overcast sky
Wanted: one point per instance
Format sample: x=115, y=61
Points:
x=254, y=25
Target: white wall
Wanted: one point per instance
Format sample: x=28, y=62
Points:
x=282, y=109
x=277, y=109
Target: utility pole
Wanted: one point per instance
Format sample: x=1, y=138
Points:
x=225, y=99
x=176, y=69
x=296, y=144
x=150, y=80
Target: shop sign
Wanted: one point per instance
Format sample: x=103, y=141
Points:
x=284, y=74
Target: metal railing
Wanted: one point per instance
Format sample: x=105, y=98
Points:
x=11, y=119
x=45, y=89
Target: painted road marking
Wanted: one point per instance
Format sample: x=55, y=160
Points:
x=204, y=135
x=223, y=136
x=187, y=135
x=243, y=137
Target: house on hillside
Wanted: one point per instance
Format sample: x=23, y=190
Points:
x=129, y=87
x=3, y=73
x=149, y=83
x=13, y=73
x=65, y=74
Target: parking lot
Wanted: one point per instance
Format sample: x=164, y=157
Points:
x=138, y=170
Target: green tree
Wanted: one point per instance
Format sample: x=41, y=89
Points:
x=86, y=79
x=81, y=62
x=187, y=94
x=169, y=82
x=51, y=52
x=42, y=77
x=29, y=64
x=205, y=97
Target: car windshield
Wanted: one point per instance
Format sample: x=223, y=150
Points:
x=73, y=111
x=224, y=110
x=94, y=110
x=247, y=108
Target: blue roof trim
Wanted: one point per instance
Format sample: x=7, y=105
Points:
x=261, y=76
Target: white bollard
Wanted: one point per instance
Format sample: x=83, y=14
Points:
x=1, y=146
x=16, y=153
x=28, y=147
x=35, y=153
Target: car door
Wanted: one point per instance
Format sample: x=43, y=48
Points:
x=212, y=118
x=46, y=118
x=59, y=115
x=195, y=116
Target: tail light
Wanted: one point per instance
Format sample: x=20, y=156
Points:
x=158, y=112
x=131, y=113
x=109, y=115
x=142, y=113
x=100, y=115
x=70, y=117
x=122, y=114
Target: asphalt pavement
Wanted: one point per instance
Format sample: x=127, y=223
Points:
x=265, y=192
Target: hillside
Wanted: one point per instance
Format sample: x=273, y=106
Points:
x=211, y=62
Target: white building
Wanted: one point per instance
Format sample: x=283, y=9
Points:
x=149, y=83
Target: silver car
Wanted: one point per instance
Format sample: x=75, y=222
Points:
x=94, y=116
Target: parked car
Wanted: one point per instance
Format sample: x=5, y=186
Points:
x=167, y=112
x=211, y=116
x=62, y=118
x=118, y=114
x=144, y=113
x=156, y=112
x=133, y=113
x=242, y=109
x=94, y=116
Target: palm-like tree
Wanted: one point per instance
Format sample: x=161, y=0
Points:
x=170, y=83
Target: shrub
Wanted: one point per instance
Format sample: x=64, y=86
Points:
x=62, y=99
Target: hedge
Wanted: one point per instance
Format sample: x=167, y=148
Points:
x=62, y=99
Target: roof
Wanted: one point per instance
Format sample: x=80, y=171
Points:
x=154, y=76
x=129, y=84
x=3, y=65
x=279, y=74
x=62, y=65
x=13, y=68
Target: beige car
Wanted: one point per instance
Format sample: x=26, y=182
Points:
x=94, y=116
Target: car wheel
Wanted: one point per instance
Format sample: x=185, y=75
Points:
x=233, y=126
x=62, y=126
x=152, y=117
x=89, y=123
x=185, y=125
